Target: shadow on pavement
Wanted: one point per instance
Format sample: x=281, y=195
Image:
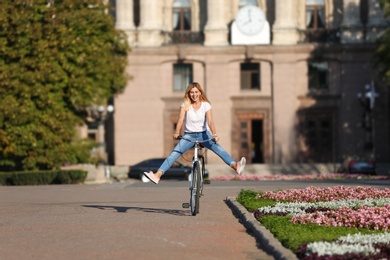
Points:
x=120, y=209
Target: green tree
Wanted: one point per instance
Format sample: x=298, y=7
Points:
x=382, y=56
x=56, y=59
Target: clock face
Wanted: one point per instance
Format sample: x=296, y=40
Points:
x=250, y=19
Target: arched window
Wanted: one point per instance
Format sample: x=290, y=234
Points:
x=181, y=15
x=315, y=14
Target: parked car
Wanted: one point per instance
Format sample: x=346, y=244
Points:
x=365, y=167
x=178, y=169
x=358, y=167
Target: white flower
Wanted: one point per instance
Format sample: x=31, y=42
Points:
x=366, y=239
x=326, y=248
x=356, y=243
x=298, y=208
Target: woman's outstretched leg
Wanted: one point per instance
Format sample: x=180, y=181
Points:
x=238, y=167
x=182, y=147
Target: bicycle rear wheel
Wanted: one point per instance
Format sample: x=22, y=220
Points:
x=195, y=189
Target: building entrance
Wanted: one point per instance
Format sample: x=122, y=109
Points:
x=257, y=141
x=251, y=137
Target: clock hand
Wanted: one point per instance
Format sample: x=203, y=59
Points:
x=246, y=22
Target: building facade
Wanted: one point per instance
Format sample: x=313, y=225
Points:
x=285, y=90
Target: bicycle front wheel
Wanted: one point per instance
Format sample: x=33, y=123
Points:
x=195, y=189
x=202, y=173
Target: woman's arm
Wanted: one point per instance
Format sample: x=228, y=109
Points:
x=210, y=122
x=179, y=123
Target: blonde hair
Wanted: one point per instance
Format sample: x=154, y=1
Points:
x=187, y=98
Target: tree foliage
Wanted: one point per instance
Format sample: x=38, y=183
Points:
x=56, y=58
x=382, y=56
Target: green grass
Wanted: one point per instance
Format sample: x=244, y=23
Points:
x=289, y=234
x=248, y=199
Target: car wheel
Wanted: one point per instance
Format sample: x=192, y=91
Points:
x=144, y=178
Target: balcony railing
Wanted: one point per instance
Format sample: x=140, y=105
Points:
x=183, y=37
x=320, y=35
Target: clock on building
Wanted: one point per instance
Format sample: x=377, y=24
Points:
x=250, y=20
x=250, y=27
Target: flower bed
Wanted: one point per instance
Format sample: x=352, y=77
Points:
x=330, y=176
x=350, y=247
x=357, y=209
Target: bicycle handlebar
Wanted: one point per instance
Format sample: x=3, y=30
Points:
x=182, y=137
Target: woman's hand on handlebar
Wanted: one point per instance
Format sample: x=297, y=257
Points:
x=176, y=136
x=216, y=138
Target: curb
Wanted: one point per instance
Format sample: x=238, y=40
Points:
x=263, y=236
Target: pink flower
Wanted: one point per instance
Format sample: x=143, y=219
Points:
x=376, y=218
x=313, y=194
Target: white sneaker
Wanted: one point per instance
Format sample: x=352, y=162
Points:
x=241, y=166
x=151, y=177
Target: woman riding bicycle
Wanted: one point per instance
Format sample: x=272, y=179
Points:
x=195, y=112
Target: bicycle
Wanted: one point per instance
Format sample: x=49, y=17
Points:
x=197, y=174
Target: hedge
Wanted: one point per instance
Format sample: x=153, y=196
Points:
x=43, y=177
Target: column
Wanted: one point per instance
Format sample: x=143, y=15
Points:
x=216, y=30
x=149, y=31
x=125, y=19
x=351, y=26
x=376, y=23
x=285, y=31
x=285, y=107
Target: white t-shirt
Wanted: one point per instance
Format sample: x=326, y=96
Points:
x=195, y=121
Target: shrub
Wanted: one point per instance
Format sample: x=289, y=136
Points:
x=43, y=177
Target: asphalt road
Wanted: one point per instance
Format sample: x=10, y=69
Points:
x=131, y=220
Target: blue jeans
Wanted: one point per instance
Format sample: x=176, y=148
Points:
x=184, y=145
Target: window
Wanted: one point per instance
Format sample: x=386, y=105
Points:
x=248, y=2
x=92, y=136
x=364, y=9
x=181, y=17
x=136, y=12
x=182, y=76
x=318, y=75
x=315, y=14
x=250, y=76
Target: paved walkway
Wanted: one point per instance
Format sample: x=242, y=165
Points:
x=120, y=221
x=130, y=221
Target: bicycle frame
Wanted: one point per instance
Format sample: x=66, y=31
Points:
x=197, y=148
x=196, y=180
